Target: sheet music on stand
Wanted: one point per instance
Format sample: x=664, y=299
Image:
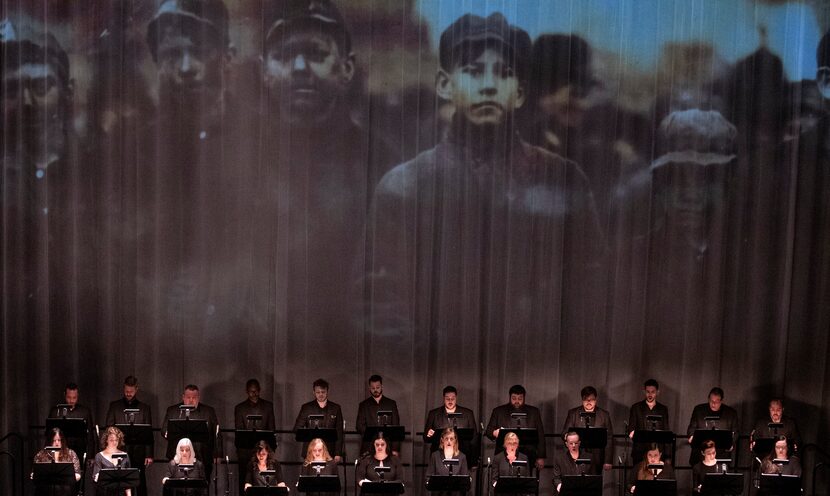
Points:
x=381, y=487
x=318, y=484
x=118, y=478
x=779, y=485
x=719, y=484
x=656, y=487
x=510, y=484
x=449, y=483
x=581, y=485
x=53, y=474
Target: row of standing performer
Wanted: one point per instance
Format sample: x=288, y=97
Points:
x=712, y=422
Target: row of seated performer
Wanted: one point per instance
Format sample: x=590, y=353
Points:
x=574, y=468
x=320, y=417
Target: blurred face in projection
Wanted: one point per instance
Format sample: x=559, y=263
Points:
x=484, y=89
x=306, y=74
x=189, y=67
x=34, y=106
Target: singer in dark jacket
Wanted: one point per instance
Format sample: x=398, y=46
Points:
x=205, y=451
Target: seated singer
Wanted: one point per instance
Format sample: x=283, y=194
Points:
x=448, y=450
x=264, y=459
x=176, y=469
x=653, y=456
x=564, y=462
x=503, y=462
x=781, y=451
x=112, y=443
x=708, y=465
x=56, y=439
x=318, y=452
x=381, y=457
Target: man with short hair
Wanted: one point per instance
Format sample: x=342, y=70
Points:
x=367, y=414
x=601, y=418
x=82, y=446
x=332, y=418
x=319, y=165
x=727, y=419
x=638, y=414
x=438, y=420
x=789, y=427
x=502, y=417
x=206, y=452
x=253, y=405
x=141, y=455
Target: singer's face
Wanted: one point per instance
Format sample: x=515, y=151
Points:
x=253, y=394
x=71, y=397
x=651, y=394
x=449, y=401
x=184, y=452
x=262, y=455
x=511, y=443
x=380, y=446
x=321, y=394
x=781, y=449
x=448, y=441
x=572, y=442
x=56, y=441
x=376, y=389
x=589, y=403
x=317, y=451
x=709, y=453
x=129, y=392
x=653, y=456
x=112, y=441
x=190, y=398
x=714, y=402
x=517, y=400
x=776, y=411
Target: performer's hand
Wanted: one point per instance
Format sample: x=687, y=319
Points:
x=540, y=463
x=395, y=453
x=496, y=433
x=690, y=439
x=631, y=435
x=148, y=461
x=430, y=433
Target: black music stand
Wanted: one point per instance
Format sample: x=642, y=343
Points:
x=117, y=478
x=509, y=484
x=53, y=474
x=72, y=427
x=653, y=436
x=449, y=483
x=763, y=446
x=246, y=439
x=319, y=484
x=306, y=434
x=717, y=484
x=392, y=433
x=381, y=487
x=266, y=491
x=656, y=487
x=172, y=486
x=528, y=436
x=592, y=437
x=581, y=485
x=194, y=429
x=780, y=485
x=721, y=437
x=136, y=434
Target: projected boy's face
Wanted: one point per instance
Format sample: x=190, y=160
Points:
x=189, y=66
x=485, y=90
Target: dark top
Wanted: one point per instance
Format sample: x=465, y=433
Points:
x=261, y=407
x=639, y=411
x=640, y=472
x=502, y=467
x=205, y=452
x=437, y=420
x=366, y=469
x=500, y=417
x=80, y=445
x=115, y=415
x=790, y=430
x=436, y=465
x=602, y=419
x=367, y=417
x=102, y=462
x=254, y=478
x=699, y=471
x=332, y=419
x=792, y=468
x=43, y=456
x=563, y=464
x=728, y=421
x=174, y=472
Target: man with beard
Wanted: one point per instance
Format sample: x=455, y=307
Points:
x=321, y=166
x=638, y=418
x=502, y=417
x=367, y=414
x=788, y=429
x=206, y=452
